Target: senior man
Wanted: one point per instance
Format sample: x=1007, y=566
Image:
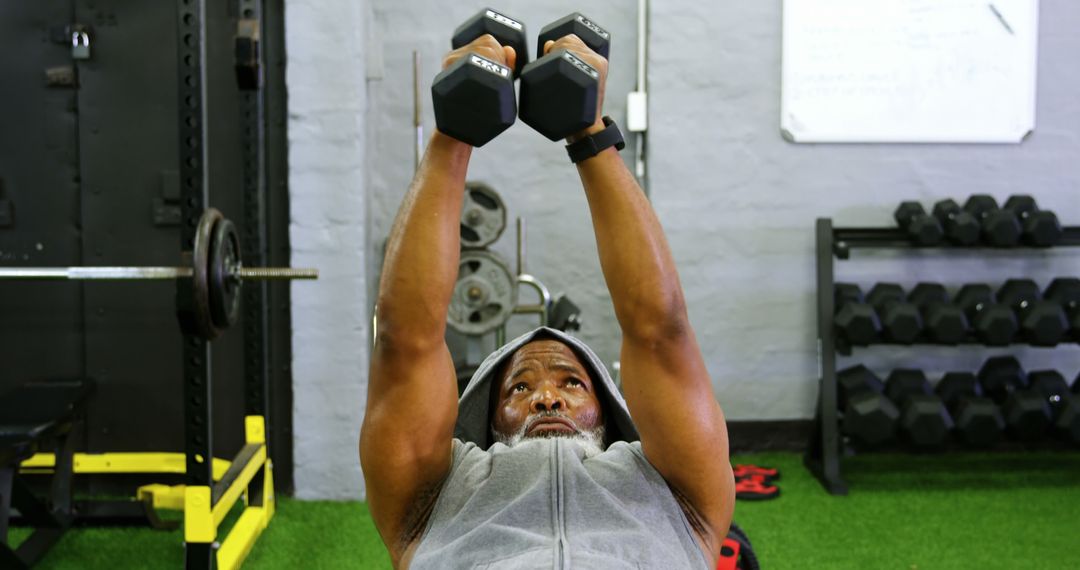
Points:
x=542, y=463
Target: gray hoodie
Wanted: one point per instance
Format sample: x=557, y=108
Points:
x=541, y=504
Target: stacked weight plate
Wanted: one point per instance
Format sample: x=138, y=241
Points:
x=485, y=293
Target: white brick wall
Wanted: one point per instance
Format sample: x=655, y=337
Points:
x=327, y=106
x=738, y=202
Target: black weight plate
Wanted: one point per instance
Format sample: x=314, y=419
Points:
x=224, y=287
x=483, y=215
x=201, y=255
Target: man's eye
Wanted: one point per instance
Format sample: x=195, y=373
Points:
x=519, y=387
x=575, y=382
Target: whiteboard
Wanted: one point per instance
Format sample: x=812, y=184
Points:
x=931, y=71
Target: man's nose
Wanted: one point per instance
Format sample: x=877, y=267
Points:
x=547, y=399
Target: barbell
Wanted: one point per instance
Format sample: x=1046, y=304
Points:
x=215, y=270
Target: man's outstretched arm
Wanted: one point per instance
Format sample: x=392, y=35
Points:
x=405, y=442
x=412, y=391
x=665, y=382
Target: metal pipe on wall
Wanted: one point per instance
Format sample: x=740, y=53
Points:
x=637, y=101
x=417, y=122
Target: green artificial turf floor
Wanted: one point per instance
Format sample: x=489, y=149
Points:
x=1019, y=510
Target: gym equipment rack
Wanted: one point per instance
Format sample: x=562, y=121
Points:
x=212, y=485
x=826, y=445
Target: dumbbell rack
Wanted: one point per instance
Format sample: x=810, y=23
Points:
x=826, y=443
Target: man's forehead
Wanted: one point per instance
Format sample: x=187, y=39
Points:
x=545, y=348
x=545, y=352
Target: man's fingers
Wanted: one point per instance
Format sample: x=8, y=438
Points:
x=571, y=42
x=489, y=47
x=510, y=56
x=548, y=45
x=487, y=41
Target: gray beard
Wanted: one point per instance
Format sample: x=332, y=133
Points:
x=592, y=442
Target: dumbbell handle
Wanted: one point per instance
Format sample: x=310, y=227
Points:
x=146, y=273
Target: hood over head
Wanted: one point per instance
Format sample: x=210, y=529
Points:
x=474, y=407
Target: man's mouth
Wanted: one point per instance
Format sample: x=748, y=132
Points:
x=551, y=424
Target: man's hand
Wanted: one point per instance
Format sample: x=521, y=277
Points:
x=574, y=44
x=487, y=47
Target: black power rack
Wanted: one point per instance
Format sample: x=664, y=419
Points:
x=826, y=443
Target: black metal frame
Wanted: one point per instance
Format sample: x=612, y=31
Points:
x=275, y=169
x=198, y=431
x=50, y=518
x=194, y=199
x=252, y=118
x=826, y=445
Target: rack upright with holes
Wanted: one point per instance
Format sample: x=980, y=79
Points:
x=826, y=444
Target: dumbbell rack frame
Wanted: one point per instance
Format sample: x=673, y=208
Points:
x=826, y=442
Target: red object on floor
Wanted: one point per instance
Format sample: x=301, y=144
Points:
x=755, y=488
x=729, y=555
x=742, y=471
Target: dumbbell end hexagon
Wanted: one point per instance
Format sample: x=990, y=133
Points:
x=925, y=422
x=559, y=95
x=506, y=30
x=471, y=102
x=979, y=422
x=591, y=34
x=1042, y=229
x=870, y=419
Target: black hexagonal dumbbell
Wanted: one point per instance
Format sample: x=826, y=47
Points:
x=1041, y=228
x=1000, y=376
x=924, y=421
x=921, y=228
x=978, y=420
x=961, y=228
x=559, y=91
x=1064, y=407
x=855, y=320
x=943, y=322
x=900, y=320
x=1042, y=321
x=999, y=228
x=994, y=324
x=473, y=98
x=1027, y=415
x=1065, y=291
x=870, y=419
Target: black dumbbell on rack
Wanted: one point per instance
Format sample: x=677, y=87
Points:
x=1065, y=408
x=1065, y=291
x=1039, y=228
x=994, y=324
x=977, y=418
x=870, y=418
x=856, y=320
x=473, y=98
x=961, y=228
x=1026, y=411
x=560, y=91
x=943, y=322
x=901, y=321
x=921, y=228
x=999, y=228
x=925, y=423
x=1042, y=321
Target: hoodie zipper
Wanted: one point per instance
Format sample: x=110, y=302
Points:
x=559, y=562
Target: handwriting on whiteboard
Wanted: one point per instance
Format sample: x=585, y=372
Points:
x=909, y=70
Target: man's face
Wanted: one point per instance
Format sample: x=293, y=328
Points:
x=546, y=391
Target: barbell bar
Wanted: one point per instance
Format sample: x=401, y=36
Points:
x=215, y=275
x=84, y=273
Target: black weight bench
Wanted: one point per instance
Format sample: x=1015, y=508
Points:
x=39, y=416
